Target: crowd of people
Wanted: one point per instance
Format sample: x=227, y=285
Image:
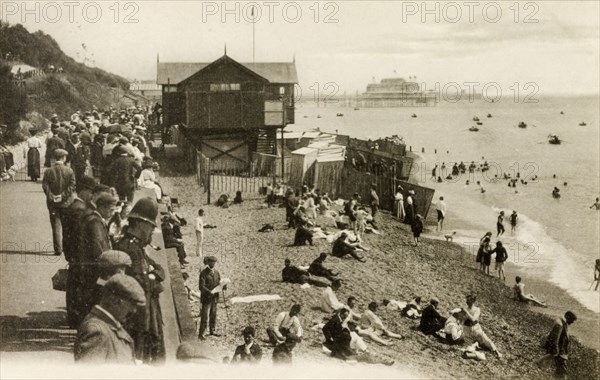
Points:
x=113, y=285
x=94, y=163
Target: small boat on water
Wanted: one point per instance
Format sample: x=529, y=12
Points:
x=356, y=108
x=318, y=116
x=305, y=116
x=522, y=125
x=479, y=123
x=583, y=124
x=339, y=114
x=474, y=129
x=414, y=115
x=489, y=115
x=554, y=139
x=475, y=118
x=562, y=113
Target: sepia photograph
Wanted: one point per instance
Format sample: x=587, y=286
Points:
x=376, y=189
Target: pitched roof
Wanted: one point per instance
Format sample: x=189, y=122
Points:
x=274, y=72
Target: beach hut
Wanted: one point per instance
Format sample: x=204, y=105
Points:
x=328, y=173
x=302, y=166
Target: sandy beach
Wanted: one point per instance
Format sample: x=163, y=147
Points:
x=395, y=269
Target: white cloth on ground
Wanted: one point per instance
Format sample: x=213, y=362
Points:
x=256, y=298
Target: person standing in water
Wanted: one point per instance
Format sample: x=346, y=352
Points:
x=500, y=224
x=596, y=205
x=441, y=213
x=513, y=221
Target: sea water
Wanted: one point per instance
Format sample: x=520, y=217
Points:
x=556, y=239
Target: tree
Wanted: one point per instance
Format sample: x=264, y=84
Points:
x=13, y=103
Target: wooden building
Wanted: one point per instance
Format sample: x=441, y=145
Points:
x=226, y=109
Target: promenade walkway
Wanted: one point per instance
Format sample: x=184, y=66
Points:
x=32, y=314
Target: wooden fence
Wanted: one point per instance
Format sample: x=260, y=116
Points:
x=224, y=177
x=353, y=181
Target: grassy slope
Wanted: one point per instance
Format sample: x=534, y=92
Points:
x=78, y=88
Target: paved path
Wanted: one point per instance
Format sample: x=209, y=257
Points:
x=32, y=315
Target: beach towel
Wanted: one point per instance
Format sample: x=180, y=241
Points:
x=256, y=298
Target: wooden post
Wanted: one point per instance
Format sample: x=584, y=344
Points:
x=208, y=175
x=282, y=154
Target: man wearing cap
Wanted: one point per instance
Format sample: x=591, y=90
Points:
x=80, y=159
x=557, y=342
x=431, y=320
x=110, y=263
x=71, y=221
x=59, y=186
x=94, y=240
x=209, y=279
x=101, y=338
x=52, y=143
x=123, y=175
x=146, y=327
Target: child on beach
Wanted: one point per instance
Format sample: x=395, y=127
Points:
x=417, y=229
x=501, y=257
x=500, y=224
x=513, y=221
x=486, y=258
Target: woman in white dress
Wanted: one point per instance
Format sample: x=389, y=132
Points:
x=399, y=198
x=33, y=157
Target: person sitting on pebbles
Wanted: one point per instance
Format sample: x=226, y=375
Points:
x=294, y=275
x=317, y=268
x=473, y=327
x=249, y=352
x=342, y=247
x=431, y=320
x=303, y=234
x=329, y=301
x=520, y=295
x=286, y=323
x=453, y=330
x=371, y=324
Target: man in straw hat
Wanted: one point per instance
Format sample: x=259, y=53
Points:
x=101, y=337
x=58, y=185
x=209, y=279
x=146, y=327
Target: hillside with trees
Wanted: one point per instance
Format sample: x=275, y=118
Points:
x=59, y=84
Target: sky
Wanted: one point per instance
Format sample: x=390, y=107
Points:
x=340, y=46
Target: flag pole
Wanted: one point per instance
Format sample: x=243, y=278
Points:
x=253, y=38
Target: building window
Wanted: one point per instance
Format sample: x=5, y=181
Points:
x=220, y=87
x=281, y=90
